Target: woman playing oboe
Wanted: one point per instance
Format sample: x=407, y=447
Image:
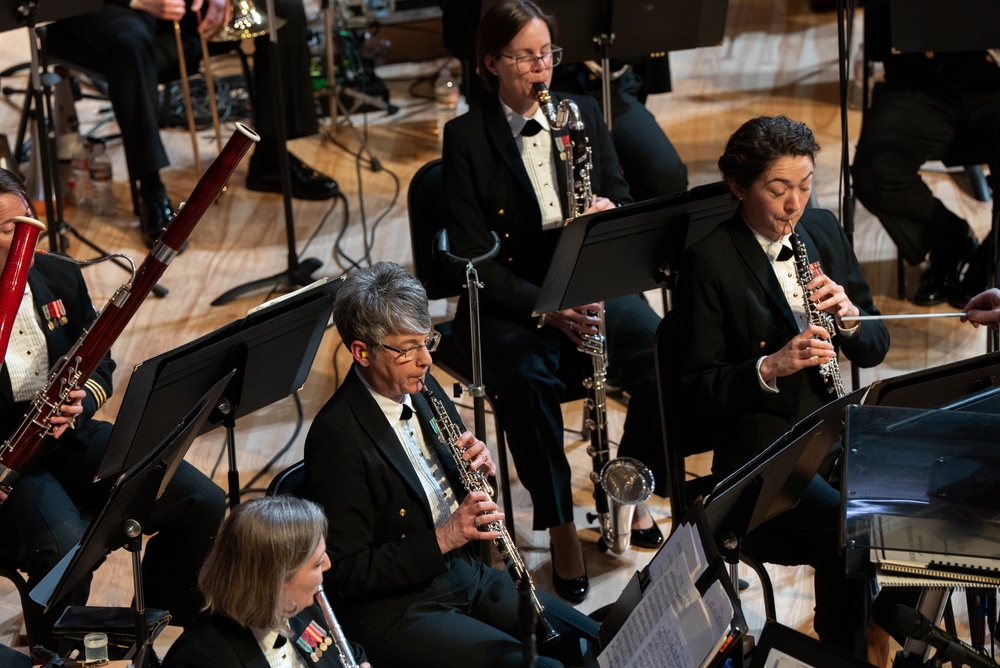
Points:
x=260, y=583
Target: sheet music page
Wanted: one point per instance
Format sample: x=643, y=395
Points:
x=673, y=626
x=285, y=297
x=686, y=541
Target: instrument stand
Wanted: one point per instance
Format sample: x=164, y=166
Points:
x=299, y=272
x=119, y=524
x=38, y=105
x=477, y=390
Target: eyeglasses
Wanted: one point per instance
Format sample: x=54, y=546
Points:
x=409, y=354
x=525, y=64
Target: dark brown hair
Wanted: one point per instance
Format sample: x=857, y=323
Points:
x=499, y=25
x=760, y=142
x=11, y=184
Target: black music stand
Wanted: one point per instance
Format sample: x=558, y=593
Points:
x=630, y=249
x=126, y=510
x=606, y=29
x=271, y=349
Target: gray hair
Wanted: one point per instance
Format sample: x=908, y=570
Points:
x=261, y=545
x=375, y=302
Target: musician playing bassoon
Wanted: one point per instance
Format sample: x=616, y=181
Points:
x=52, y=503
x=404, y=581
x=747, y=357
x=500, y=175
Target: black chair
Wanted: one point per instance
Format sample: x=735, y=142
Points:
x=290, y=481
x=678, y=437
x=426, y=214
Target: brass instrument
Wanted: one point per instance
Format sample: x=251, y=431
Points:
x=474, y=481
x=74, y=368
x=245, y=22
x=578, y=160
x=347, y=659
x=15, y=274
x=830, y=370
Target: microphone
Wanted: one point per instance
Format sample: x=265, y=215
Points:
x=907, y=622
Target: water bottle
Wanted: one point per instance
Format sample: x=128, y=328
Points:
x=446, y=96
x=103, y=203
x=82, y=191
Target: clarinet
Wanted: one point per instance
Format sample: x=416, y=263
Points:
x=347, y=659
x=830, y=370
x=74, y=368
x=475, y=481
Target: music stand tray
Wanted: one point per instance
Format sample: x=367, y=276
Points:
x=630, y=249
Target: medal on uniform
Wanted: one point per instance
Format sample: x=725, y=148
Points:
x=55, y=314
x=314, y=641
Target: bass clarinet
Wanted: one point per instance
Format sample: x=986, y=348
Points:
x=72, y=370
x=578, y=159
x=474, y=481
x=622, y=483
x=830, y=370
x=14, y=277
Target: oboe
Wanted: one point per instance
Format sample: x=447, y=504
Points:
x=474, y=481
x=830, y=370
x=347, y=659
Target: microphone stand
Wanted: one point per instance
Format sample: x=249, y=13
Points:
x=298, y=273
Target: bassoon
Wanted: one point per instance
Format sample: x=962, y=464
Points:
x=14, y=276
x=74, y=368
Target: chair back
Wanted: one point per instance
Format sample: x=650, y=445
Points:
x=425, y=203
x=680, y=433
x=291, y=481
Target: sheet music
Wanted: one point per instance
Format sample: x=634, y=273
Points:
x=686, y=541
x=673, y=626
x=921, y=542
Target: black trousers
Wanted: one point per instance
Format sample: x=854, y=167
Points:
x=135, y=53
x=905, y=127
x=532, y=371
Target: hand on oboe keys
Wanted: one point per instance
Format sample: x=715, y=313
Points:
x=984, y=309
x=600, y=204
x=830, y=297
x=804, y=350
x=477, y=454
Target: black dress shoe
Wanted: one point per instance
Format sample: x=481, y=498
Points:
x=651, y=537
x=940, y=279
x=572, y=589
x=973, y=281
x=307, y=183
x=155, y=214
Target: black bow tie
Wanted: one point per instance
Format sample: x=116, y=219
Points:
x=279, y=641
x=531, y=128
x=407, y=413
x=784, y=254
